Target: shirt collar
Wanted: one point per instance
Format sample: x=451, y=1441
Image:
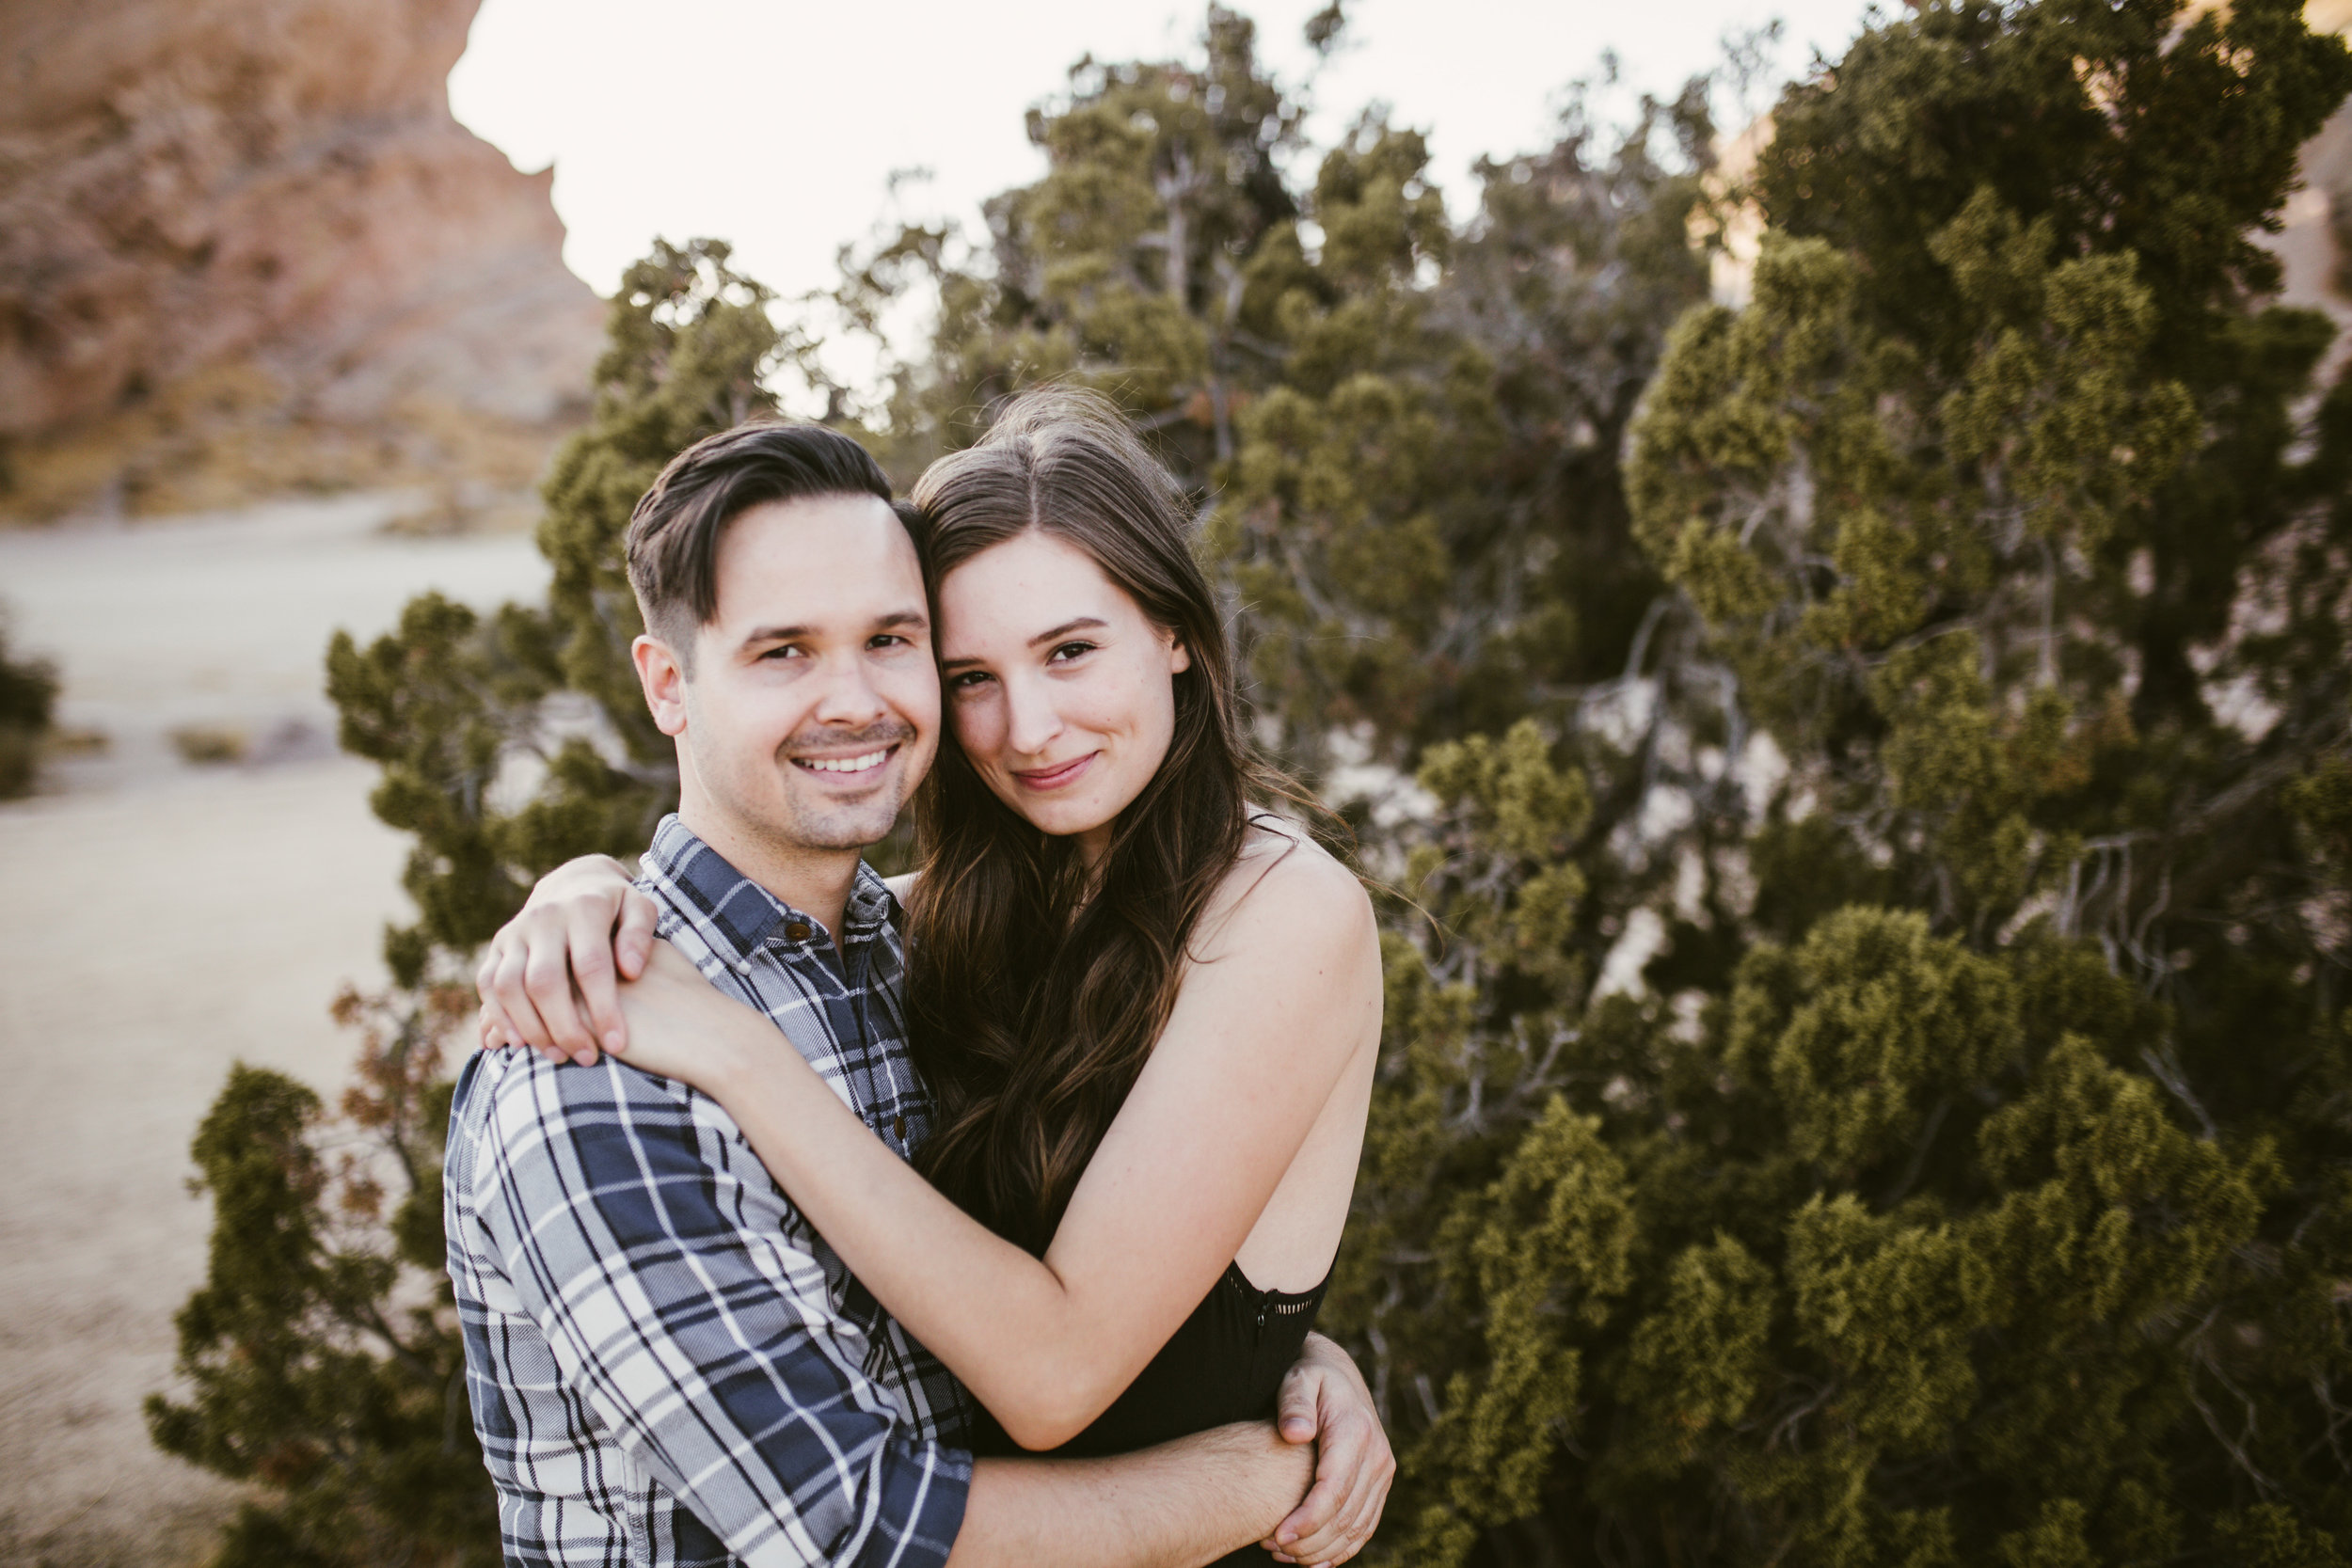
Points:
x=737, y=910
x=869, y=907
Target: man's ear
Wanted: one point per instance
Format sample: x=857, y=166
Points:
x=664, y=681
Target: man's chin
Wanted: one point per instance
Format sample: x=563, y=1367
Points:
x=845, y=839
x=838, y=825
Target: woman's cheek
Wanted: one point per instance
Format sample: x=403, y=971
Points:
x=979, y=727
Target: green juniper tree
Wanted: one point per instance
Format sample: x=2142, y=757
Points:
x=311, y=1372
x=1404, y=439
x=1147, y=263
x=1972, y=1179
x=1424, y=517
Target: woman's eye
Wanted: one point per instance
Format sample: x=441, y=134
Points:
x=1068, y=651
x=965, y=680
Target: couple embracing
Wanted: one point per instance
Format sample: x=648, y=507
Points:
x=974, y=1217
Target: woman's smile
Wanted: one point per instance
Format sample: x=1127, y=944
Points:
x=1058, y=775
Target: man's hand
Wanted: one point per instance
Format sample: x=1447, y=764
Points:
x=1323, y=1401
x=550, y=978
x=1186, y=1501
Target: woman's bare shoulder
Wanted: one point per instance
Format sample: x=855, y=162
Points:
x=1287, y=888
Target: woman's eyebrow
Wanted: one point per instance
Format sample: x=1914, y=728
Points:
x=1080, y=623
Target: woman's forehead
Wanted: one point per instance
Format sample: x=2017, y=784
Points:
x=1026, y=585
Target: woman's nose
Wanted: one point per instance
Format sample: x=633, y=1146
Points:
x=1032, y=721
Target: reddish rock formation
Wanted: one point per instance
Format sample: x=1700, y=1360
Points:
x=192, y=185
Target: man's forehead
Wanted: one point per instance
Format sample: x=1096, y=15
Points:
x=828, y=559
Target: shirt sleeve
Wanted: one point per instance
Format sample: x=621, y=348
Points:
x=684, y=1304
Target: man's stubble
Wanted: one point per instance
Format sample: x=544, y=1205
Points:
x=792, y=813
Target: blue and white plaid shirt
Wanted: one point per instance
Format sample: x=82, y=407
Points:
x=667, y=1365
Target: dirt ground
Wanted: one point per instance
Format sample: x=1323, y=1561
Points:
x=160, y=918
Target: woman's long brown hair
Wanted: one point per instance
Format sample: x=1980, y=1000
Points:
x=1036, y=990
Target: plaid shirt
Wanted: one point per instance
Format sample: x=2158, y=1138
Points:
x=667, y=1365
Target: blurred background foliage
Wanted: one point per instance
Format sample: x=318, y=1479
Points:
x=28, y=704
x=1861, y=756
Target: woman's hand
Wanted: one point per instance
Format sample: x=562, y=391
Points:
x=549, y=980
x=680, y=1026
x=1323, y=1401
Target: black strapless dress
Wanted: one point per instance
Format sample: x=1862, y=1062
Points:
x=1224, y=1363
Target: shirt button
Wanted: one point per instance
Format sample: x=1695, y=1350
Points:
x=898, y=1127
x=798, y=930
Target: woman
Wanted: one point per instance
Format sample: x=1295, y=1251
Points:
x=1149, y=1014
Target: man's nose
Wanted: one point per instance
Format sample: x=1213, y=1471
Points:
x=848, y=696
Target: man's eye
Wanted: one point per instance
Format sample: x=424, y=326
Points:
x=790, y=650
x=1068, y=651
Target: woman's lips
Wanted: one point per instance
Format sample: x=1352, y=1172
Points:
x=1054, y=778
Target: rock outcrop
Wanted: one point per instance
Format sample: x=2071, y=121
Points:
x=200, y=188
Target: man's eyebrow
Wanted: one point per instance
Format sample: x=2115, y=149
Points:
x=898, y=620
x=777, y=634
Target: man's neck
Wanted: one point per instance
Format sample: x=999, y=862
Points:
x=817, y=882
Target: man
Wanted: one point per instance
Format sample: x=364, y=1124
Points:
x=666, y=1364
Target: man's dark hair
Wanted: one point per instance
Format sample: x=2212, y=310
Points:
x=673, y=538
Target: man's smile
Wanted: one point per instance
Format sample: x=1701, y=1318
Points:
x=865, y=762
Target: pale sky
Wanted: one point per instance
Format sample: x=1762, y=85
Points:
x=775, y=124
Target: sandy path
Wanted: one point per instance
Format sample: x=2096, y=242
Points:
x=158, y=922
